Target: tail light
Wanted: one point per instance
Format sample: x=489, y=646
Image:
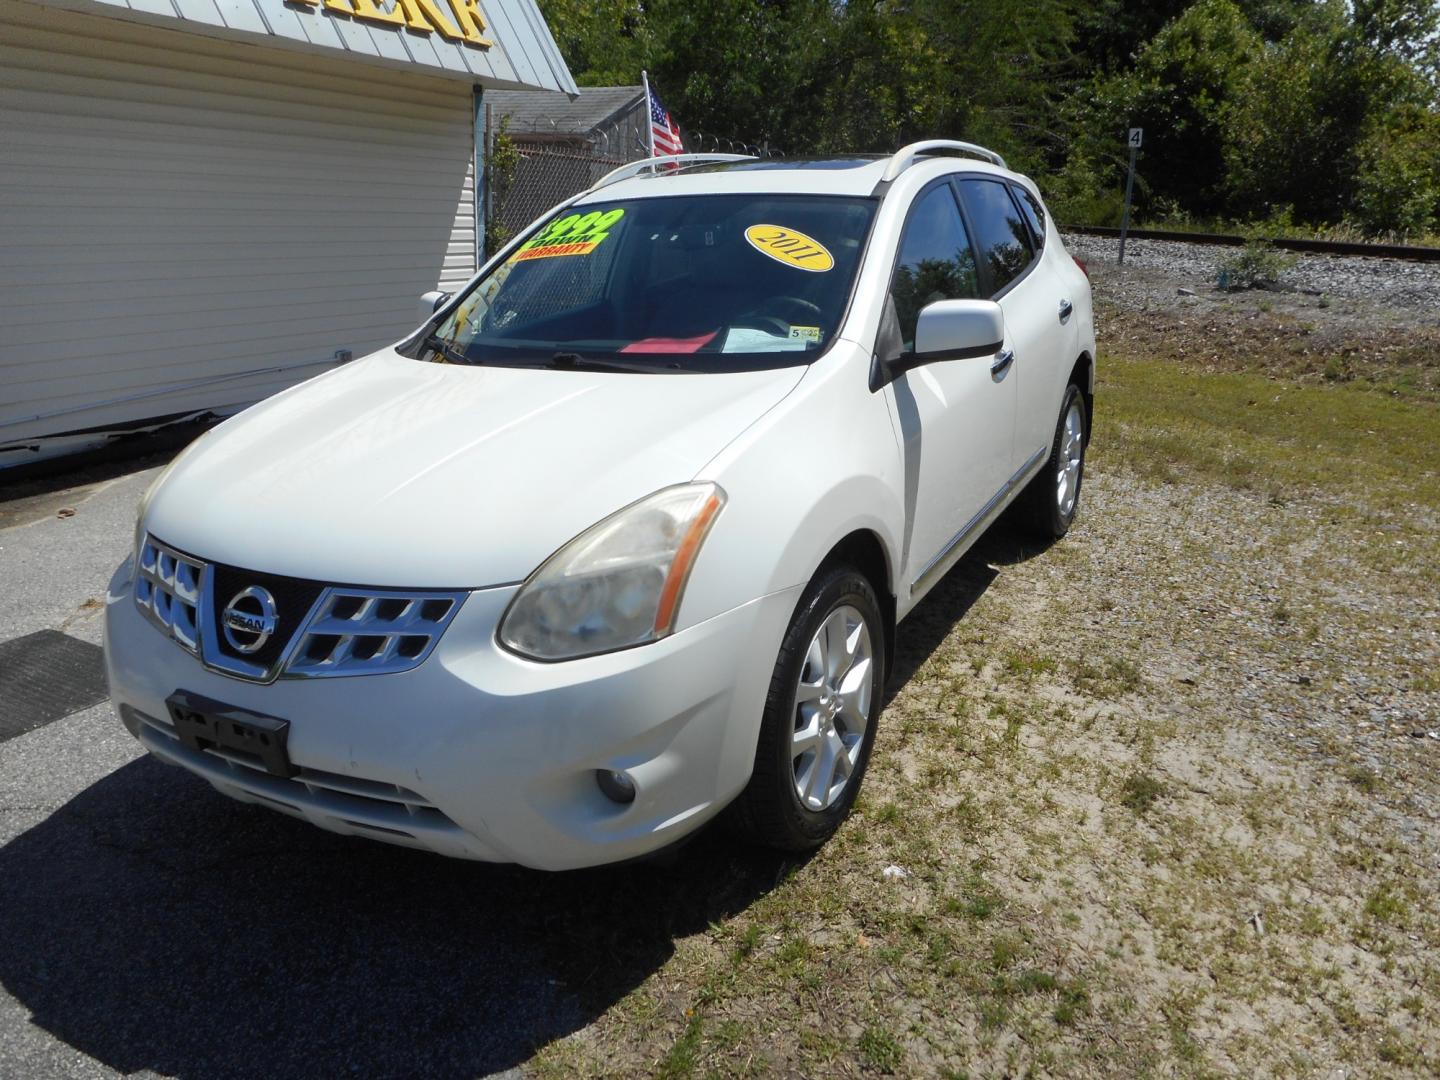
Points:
x=1081, y=264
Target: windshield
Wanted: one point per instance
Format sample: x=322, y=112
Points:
x=677, y=283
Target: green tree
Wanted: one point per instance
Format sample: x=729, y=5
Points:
x=740, y=69
x=604, y=42
x=1398, y=183
x=1178, y=90
x=816, y=75
x=1337, y=121
x=1251, y=107
x=1408, y=30
x=1112, y=33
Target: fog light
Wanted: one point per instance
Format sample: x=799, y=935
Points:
x=617, y=786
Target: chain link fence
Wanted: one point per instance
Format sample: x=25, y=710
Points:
x=532, y=167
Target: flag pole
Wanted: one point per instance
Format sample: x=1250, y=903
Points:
x=649, y=118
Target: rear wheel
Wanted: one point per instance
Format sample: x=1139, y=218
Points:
x=1053, y=496
x=820, y=716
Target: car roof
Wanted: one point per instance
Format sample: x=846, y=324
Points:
x=854, y=174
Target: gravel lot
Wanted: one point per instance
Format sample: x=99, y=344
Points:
x=1151, y=265
x=1159, y=800
x=1330, y=319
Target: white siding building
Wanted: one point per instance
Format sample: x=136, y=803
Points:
x=205, y=201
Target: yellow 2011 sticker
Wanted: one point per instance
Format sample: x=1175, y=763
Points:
x=790, y=247
x=577, y=234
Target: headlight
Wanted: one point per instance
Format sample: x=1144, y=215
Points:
x=617, y=584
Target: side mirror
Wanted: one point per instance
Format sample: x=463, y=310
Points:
x=958, y=330
x=430, y=303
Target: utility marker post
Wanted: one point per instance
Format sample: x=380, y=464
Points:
x=1137, y=136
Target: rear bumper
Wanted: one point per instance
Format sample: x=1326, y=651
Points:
x=478, y=753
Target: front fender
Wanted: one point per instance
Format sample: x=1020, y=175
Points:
x=822, y=464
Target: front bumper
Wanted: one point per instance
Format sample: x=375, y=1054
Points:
x=479, y=753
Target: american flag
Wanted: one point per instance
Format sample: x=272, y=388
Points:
x=663, y=132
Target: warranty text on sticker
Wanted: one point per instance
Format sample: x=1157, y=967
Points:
x=576, y=234
x=790, y=247
x=550, y=250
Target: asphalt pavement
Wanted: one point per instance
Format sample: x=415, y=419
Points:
x=150, y=926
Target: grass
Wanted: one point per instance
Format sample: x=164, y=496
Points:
x=1106, y=677
x=1246, y=431
x=1140, y=792
x=1386, y=904
x=1364, y=779
x=881, y=1050
x=680, y=1060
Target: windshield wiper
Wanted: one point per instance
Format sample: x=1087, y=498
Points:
x=573, y=360
x=446, y=349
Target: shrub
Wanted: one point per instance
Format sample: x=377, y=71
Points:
x=1082, y=194
x=1398, y=188
x=1257, y=265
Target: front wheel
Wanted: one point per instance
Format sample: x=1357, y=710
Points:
x=820, y=716
x=1053, y=496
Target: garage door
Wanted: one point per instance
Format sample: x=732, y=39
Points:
x=180, y=217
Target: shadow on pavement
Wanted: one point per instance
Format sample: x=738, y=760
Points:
x=153, y=924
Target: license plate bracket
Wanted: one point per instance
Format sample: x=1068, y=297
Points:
x=203, y=724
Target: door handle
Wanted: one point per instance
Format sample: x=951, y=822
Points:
x=1003, y=361
x=1065, y=309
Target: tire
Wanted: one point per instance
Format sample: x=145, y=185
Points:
x=771, y=810
x=1048, y=505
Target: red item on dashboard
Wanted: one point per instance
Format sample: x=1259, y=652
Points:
x=670, y=344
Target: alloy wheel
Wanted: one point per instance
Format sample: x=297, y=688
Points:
x=832, y=708
x=1072, y=452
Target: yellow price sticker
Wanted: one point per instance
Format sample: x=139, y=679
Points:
x=790, y=247
x=576, y=234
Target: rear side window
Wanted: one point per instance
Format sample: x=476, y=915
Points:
x=936, y=260
x=1034, y=214
x=1001, y=235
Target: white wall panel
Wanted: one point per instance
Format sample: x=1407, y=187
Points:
x=176, y=208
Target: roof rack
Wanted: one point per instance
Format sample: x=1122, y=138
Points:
x=908, y=155
x=635, y=168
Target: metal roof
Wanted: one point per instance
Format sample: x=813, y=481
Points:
x=549, y=113
x=521, y=54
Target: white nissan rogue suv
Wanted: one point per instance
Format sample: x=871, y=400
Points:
x=621, y=535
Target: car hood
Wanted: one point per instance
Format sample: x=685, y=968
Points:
x=392, y=472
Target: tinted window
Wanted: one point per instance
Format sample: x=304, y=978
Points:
x=677, y=283
x=1034, y=214
x=1000, y=231
x=936, y=260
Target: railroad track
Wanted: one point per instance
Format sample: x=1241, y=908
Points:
x=1309, y=247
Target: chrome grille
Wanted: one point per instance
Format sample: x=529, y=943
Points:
x=169, y=589
x=372, y=632
x=345, y=631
